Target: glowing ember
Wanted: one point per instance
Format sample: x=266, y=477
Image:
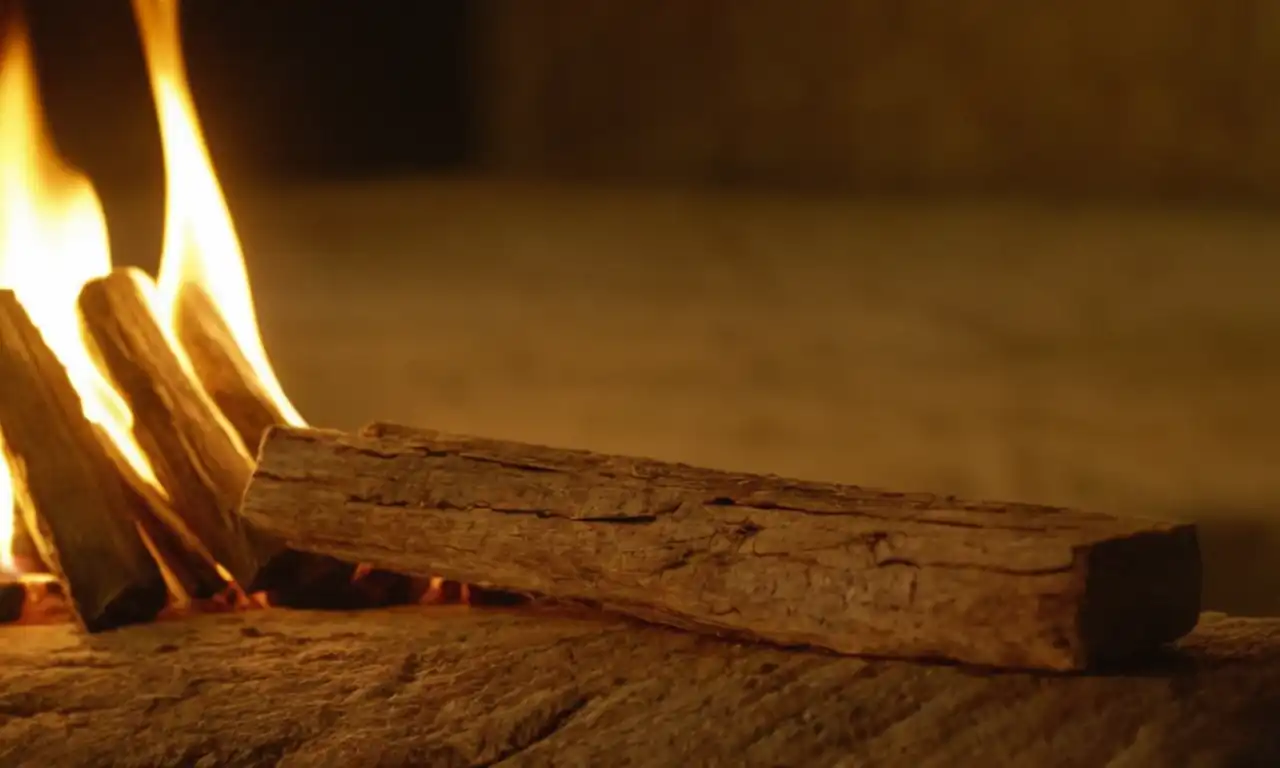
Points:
x=201, y=249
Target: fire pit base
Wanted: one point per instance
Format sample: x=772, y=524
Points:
x=456, y=686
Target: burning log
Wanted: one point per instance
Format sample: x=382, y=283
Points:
x=197, y=458
x=79, y=505
x=25, y=551
x=225, y=374
x=221, y=367
x=836, y=566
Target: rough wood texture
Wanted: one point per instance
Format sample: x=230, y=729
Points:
x=457, y=687
x=201, y=465
x=78, y=504
x=221, y=368
x=300, y=580
x=841, y=567
x=25, y=551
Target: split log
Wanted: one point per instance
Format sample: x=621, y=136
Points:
x=457, y=687
x=72, y=493
x=197, y=457
x=842, y=567
x=25, y=551
x=313, y=581
x=221, y=368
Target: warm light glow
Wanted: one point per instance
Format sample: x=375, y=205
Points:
x=8, y=514
x=53, y=239
x=201, y=249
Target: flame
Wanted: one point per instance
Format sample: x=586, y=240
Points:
x=201, y=249
x=53, y=239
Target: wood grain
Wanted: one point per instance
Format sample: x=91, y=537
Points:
x=459, y=687
x=837, y=566
x=75, y=498
x=197, y=459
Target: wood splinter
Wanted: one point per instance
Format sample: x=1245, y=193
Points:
x=76, y=503
x=846, y=568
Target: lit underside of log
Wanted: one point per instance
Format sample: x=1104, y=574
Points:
x=197, y=458
x=76, y=501
x=836, y=566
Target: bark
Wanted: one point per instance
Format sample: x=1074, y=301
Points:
x=837, y=566
x=199, y=462
x=25, y=551
x=304, y=580
x=76, y=500
x=222, y=369
x=457, y=687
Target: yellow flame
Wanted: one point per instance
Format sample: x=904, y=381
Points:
x=53, y=239
x=201, y=248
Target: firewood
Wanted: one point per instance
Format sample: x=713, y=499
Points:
x=24, y=548
x=798, y=563
x=72, y=493
x=197, y=456
x=306, y=580
x=221, y=368
x=199, y=462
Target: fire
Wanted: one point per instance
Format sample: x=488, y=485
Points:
x=201, y=250
x=53, y=239
x=53, y=236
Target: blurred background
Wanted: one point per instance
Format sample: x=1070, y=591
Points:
x=1002, y=249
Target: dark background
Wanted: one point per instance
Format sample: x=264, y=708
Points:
x=292, y=90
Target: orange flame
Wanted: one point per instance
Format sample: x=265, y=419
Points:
x=200, y=244
x=53, y=239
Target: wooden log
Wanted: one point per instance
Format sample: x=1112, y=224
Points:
x=196, y=455
x=841, y=567
x=72, y=493
x=305, y=580
x=458, y=687
x=221, y=368
x=199, y=462
x=25, y=552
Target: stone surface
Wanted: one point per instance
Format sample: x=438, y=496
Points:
x=466, y=687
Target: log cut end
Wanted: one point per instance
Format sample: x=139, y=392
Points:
x=1141, y=591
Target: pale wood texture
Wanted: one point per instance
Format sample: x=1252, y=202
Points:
x=195, y=456
x=457, y=687
x=222, y=369
x=76, y=500
x=300, y=580
x=842, y=567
